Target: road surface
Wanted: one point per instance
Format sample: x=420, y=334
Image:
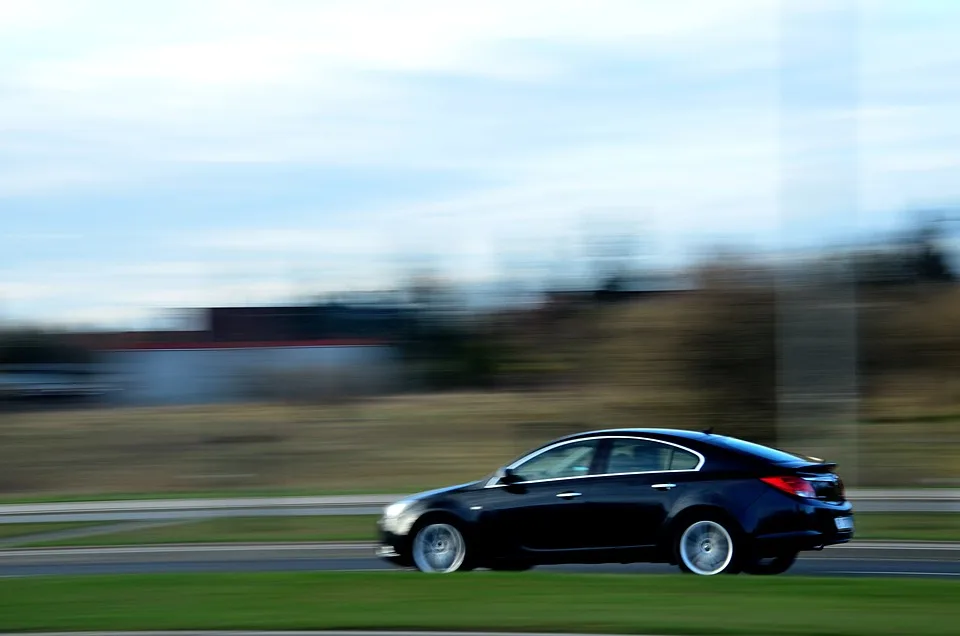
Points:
x=933, y=560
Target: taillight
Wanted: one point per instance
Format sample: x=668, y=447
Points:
x=791, y=485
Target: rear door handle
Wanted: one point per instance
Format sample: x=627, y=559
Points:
x=663, y=486
x=568, y=495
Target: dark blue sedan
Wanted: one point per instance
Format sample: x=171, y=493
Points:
x=708, y=503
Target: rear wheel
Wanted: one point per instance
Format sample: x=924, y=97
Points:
x=439, y=548
x=770, y=566
x=706, y=547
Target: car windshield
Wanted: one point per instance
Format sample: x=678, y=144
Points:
x=758, y=450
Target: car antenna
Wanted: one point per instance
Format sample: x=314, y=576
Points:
x=709, y=431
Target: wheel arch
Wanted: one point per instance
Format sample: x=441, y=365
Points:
x=438, y=515
x=445, y=515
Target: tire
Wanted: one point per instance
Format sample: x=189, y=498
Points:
x=439, y=547
x=769, y=567
x=706, y=547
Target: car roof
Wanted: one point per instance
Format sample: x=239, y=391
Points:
x=725, y=443
x=653, y=432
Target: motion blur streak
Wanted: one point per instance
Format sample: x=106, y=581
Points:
x=260, y=256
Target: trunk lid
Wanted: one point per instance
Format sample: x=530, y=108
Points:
x=826, y=483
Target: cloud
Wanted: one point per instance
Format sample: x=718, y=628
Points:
x=328, y=83
x=271, y=239
x=19, y=16
x=521, y=120
x=16, y=292
x=269, y=43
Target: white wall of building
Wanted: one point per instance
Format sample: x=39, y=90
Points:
x=204, y=376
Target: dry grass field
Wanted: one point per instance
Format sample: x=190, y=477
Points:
x=383, y=445
x=630, y=365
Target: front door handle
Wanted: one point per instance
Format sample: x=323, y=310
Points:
x=663, y=486
x=568, y=495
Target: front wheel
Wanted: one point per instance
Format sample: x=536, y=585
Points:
x=439, y=548
x=706, y=548
x=776, y=565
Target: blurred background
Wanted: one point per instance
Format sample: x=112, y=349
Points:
x=325, y=247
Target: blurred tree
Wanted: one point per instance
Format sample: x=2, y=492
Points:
x=611, y=250
x=931, y=262
x=444, y=348
x=920, y=256
x=731, y=358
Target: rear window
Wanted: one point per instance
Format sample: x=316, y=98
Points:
x=757, y=450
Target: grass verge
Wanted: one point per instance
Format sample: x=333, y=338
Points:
x=887, y=526
x=14, y=530
x=199, y=494
x=239, y=530
x=498, y=601
x=909, y=526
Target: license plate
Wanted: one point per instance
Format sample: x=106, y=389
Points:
x=844, y=523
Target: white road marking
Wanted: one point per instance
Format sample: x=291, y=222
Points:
x=901, y=573
x=879, y=559
x=905, y=545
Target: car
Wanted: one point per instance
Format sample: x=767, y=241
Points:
x=705, y=502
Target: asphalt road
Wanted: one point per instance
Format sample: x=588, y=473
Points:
x=867, y=559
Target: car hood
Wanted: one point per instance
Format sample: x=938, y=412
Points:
x=438, y=491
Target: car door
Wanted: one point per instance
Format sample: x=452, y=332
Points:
x=549, y=509
x=641, y=480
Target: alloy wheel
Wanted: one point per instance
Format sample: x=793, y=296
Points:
x=706, y=548
x=439, y=548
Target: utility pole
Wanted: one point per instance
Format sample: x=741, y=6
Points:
x=818, y=380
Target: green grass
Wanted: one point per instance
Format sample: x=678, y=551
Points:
x=199, y=494
x=529, y=602
x=886, y=526
x=909, y=526
x=13, y=530
x=239, y=530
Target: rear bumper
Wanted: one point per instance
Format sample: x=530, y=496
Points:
x=785, y=524
x=799, y=541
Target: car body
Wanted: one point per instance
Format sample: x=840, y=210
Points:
x=708, y=503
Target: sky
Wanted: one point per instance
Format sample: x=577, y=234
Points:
x=204, y=152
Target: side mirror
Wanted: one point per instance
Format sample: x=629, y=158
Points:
x=509, y=477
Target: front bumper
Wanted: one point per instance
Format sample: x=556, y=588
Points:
x=387, y=552
x=393, y=547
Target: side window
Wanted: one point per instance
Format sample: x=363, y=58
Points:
x=682, y=460
x=644, y=456
x=637, y=456
x=569, y=460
